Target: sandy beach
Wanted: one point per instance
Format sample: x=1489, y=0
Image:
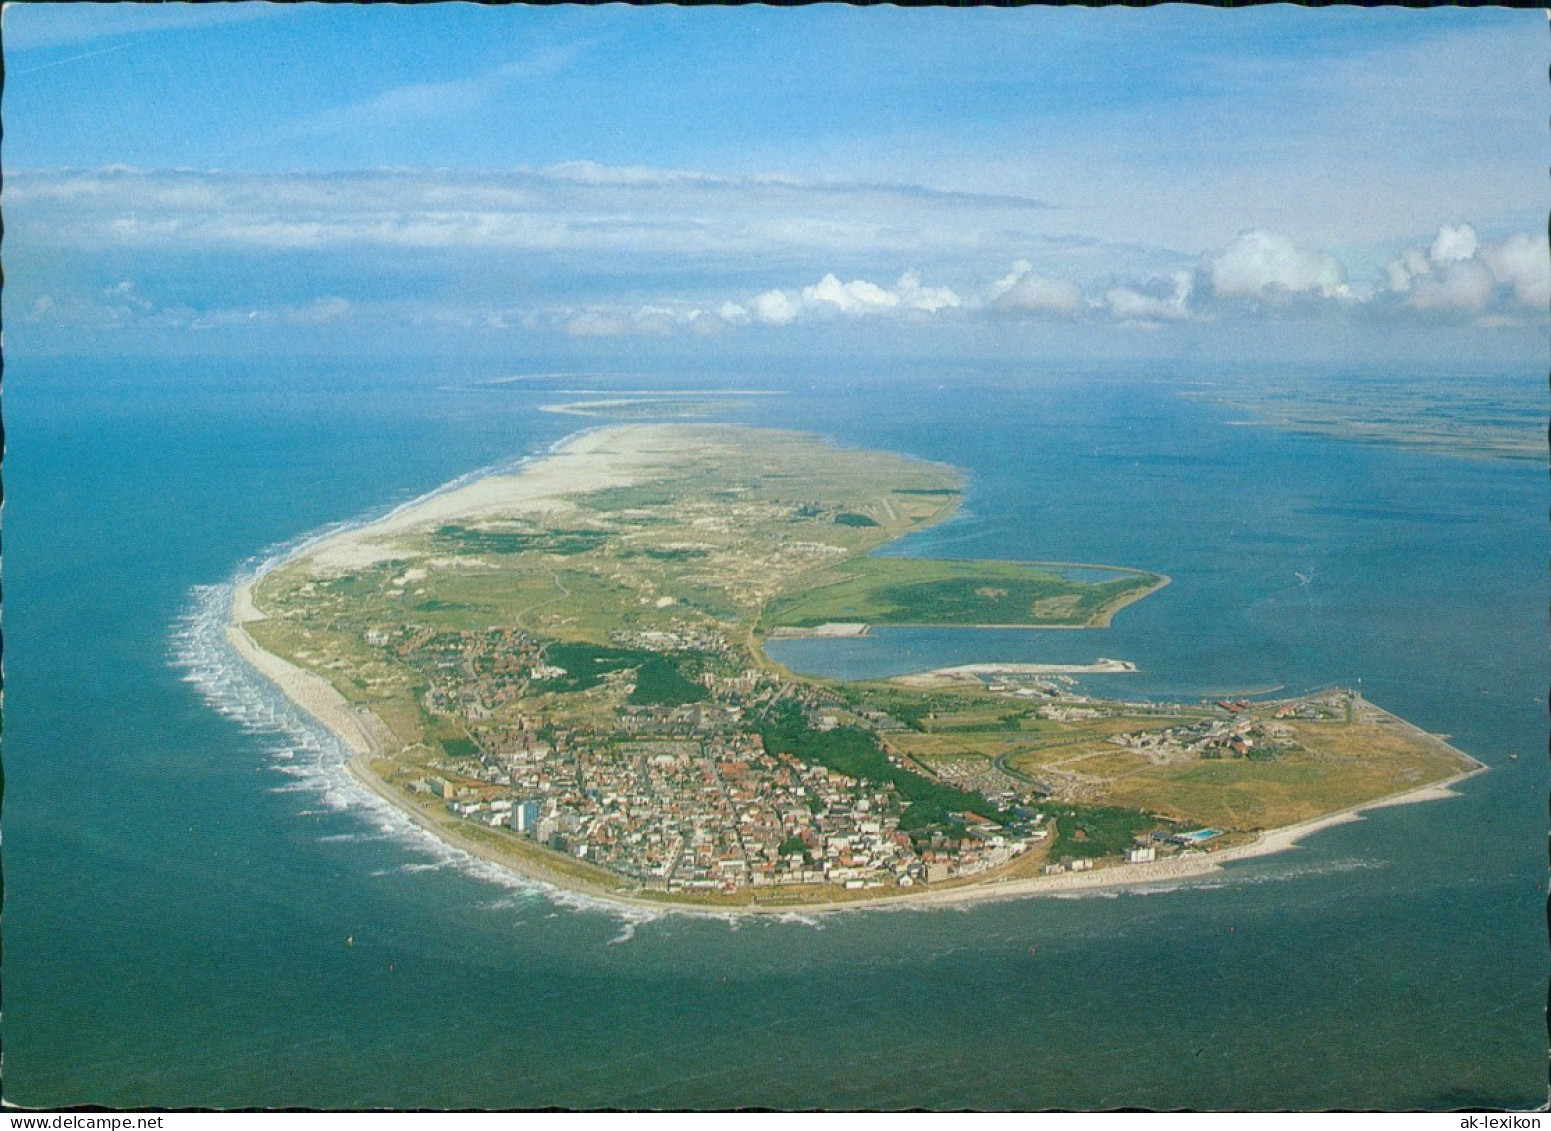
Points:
x=590, y=461
x=313, y=694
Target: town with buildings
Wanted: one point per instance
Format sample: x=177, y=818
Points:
x=678, y=797
x=678, y=792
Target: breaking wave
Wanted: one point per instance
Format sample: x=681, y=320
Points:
x=1214, y=881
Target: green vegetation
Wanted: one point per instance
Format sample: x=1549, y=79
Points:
x=660, y=682
x=438, y=606
x=628, y=498
x=1097, y=830
x=658, y=679
x=350, y=585
x=675, y=555
x=856, y=754
x=564, y=542
x=913, y=715
x=924, y=591
x=1348, y=763
x=586, y=664
x=460, y=748
x=851, y=518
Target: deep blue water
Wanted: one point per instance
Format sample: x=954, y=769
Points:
x=179, y=888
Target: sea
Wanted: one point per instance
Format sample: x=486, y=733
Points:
x=202, y=910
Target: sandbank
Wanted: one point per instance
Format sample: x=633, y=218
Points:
x=939, y=677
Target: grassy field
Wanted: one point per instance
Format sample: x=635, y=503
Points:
x=920, y=591
x=1098, y=830
x=1110, y=762
x=1346, y=766
x=1326, y=765
x=988, y=745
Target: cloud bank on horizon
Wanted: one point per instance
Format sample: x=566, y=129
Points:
x=1042, y=176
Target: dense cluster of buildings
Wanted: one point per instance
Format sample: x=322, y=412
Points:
x=678, y=797
x=712, y=813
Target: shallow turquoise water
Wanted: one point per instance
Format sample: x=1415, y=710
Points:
x=180, y=887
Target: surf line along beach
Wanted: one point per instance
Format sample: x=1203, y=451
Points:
x=542, y=487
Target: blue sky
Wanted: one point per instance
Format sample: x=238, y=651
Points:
x=451, y=177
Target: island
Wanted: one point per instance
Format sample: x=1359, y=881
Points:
x=561, y=669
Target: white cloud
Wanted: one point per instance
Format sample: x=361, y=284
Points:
x=1464, y=285
x=829, y=298
x=858, y=298
x=641, y=321
x=1150, y=302
x=396, y=106
x=1461, y=274
x=1262, y=264
x=913, y=296
x=660, y=321
x=1494, y=321
x=591, y=250
x=319, y=313
x=1452, y=244
x=598, y=324
x=1023, y=290
x=123, y=295
x=1523, y=262
x=1399, y=277
x=593, y=173
x=31, y=27
x=776, y=308
x=122, y=305
x=1414, y=259
x=581, y=206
